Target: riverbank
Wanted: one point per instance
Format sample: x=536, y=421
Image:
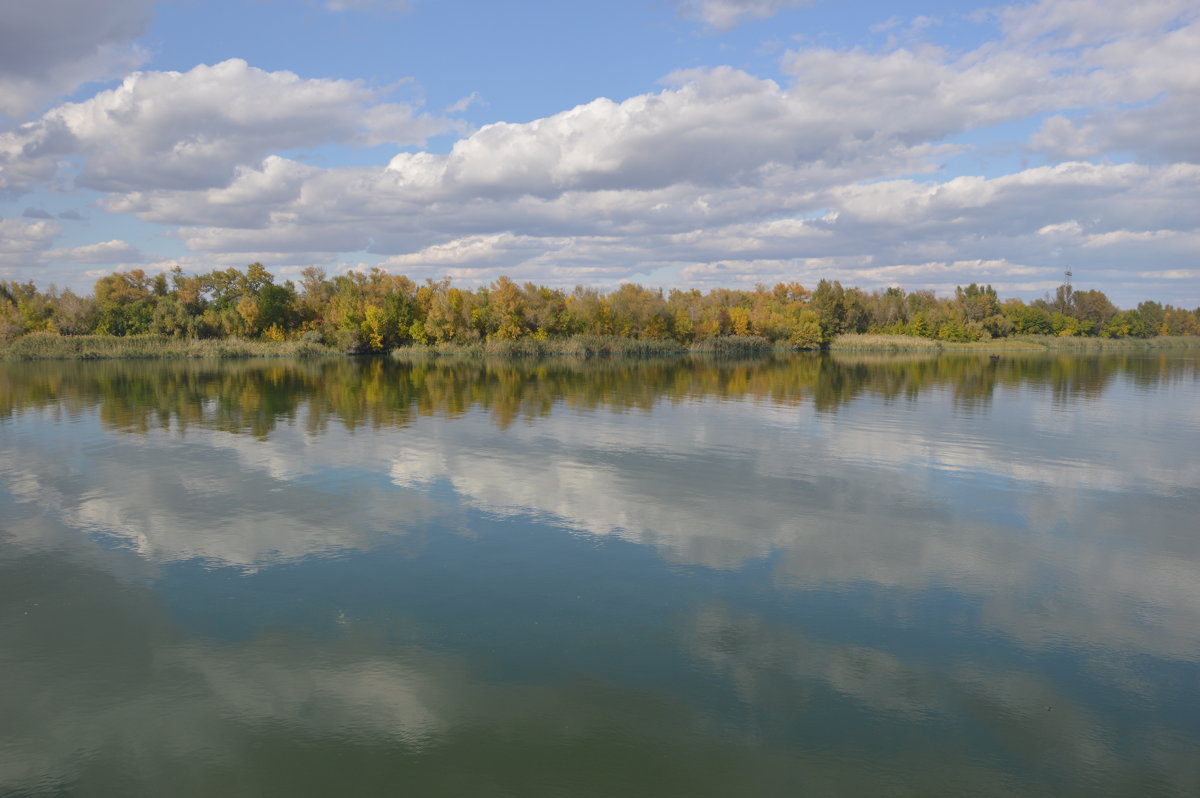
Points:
x=590, y=345
x=1016, y=343
x=47, y=346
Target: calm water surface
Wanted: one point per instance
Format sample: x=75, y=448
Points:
x=848, y=575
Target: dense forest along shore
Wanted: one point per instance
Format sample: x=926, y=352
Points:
x=236, y=313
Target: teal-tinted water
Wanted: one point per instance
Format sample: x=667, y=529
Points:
x=809, y=575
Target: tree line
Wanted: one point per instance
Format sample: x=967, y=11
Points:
x=375, y=311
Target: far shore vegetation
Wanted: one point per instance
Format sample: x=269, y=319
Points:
x=246, y=313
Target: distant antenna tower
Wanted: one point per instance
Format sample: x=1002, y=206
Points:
x=1065, y=292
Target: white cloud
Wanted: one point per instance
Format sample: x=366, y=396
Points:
x=17, y=236
x=365, y=5
x=1070, y=228
x=254, y=197
x=727, y=14
x=721, y=174
x=869, y=234
x=926, y=94
x=49, y=47
x=115, y=251
x=462, y=103
x=1063, y=139
x=1150, y=88
x=1075, y=23
x=1172, y=274
x=644, y=142
x=722, y=145
x=502, y=250
x=192, y=130
x=22, y=245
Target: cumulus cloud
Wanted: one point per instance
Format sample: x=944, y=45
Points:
x=1061, y=138
x=713, y=127
x=251, y=198
x=47, y=48
x=17, y=236
x=192, y=130
x=1152, y=103
x=504, y=249
x=22, y=244
x=718, y=175
x=1014, y=230
x=115, y=251
x=727, y=14
x=719, y=146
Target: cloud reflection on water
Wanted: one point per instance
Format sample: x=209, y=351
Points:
x=1004, y=512
x=715, y=464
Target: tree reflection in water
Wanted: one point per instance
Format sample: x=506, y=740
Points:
x=251, y=397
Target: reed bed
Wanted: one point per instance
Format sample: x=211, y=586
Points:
x=736, y=345
x=592, y=345
x=1077, y=343
x=884, y=343
x=579, y=345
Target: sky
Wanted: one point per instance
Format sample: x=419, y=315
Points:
x=673, y=143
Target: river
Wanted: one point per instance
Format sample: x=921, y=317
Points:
x=687, y=576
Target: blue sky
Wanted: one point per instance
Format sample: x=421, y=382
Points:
x=693, y=143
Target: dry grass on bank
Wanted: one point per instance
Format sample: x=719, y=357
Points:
x=49, y=346
x=581, y=345
x=1028, y=343
x=884, y=343
x=590, y=345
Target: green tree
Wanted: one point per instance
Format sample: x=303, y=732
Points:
x=508, y=310
x=1152, y=316
x=125, y=303
x=1093, y=307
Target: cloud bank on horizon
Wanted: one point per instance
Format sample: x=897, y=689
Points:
x=785, y=141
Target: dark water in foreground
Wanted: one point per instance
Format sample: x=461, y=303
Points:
x=802, y=576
